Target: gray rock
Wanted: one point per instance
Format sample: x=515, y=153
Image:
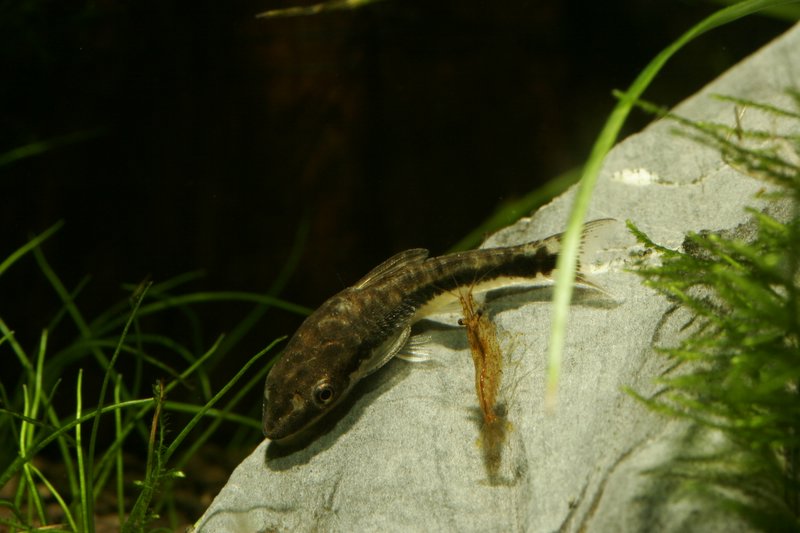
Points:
x=406, y=456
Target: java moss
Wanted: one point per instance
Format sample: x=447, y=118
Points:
x=736, y=371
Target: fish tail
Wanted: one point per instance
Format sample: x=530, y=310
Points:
x=594, y=237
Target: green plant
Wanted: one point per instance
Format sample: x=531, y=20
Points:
x=567, y=259
x=738, y=371
x=88, y=434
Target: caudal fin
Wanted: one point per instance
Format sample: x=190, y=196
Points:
x=595, y=236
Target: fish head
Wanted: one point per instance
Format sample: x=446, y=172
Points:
x=305, y=384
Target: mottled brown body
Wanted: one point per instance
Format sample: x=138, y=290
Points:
x=361, y=328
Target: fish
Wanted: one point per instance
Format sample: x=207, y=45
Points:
x=360, y=329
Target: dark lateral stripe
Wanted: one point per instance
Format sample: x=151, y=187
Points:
x=384, y=309
x=474, y=268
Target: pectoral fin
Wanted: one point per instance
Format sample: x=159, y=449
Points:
x=381, y=355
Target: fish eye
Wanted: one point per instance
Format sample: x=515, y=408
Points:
x=324, y=393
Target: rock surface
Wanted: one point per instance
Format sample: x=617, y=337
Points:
x=406, y=455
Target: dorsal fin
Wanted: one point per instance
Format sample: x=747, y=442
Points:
x=392, y=265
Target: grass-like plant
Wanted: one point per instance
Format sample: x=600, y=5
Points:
x=568, y=257
x=738, y=370
x=48, y=412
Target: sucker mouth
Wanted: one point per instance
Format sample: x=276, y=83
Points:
x=273, y=432
x=268, y=426
x=267, y=431
x=284, y=438
x=278, y=428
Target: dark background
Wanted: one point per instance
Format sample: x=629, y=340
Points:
x=211, y=135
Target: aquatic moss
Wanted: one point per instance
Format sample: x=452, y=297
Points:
x=737, y=371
